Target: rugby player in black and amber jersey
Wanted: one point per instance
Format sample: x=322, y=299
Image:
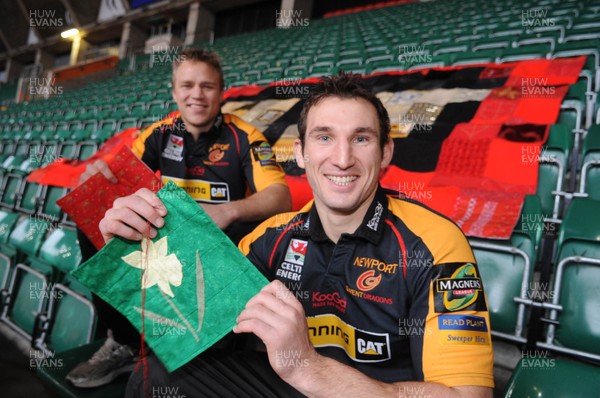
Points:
x=371, y=296
x=216, y=158
x=221, y=161
x=395, y=304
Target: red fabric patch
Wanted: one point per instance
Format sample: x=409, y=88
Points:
x=66, y=173
x=87, y=203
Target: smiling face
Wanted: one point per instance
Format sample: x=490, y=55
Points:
x=342, y=155
x=197, y=92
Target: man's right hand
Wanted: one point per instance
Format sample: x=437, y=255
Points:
x=129, y=216
x=98, y=166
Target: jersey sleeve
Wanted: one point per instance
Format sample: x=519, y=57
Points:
x=449, y=300
x=260, y=245
x=257, y=157
x=457, y=325
x=146, y=148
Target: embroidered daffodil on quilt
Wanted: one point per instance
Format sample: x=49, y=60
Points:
x=159, y=268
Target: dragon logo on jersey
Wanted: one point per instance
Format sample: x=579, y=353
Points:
x=217, y=152
x=174, y=148
x=296, y=251
x=458, y=287
x=368, y=281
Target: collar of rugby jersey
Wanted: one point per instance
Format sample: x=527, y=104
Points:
x=179, y=125
x=370, y=229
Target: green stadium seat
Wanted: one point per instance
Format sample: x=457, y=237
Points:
x=524, y=52
x=573, y=34
x=7, y=223
x=553, y=163
x=451, y=48
x=553, y=378
x=296, y=71
x=56, y=329
x=86, y=149
x=11, y=189
x=66, y=149
x=506, y=269
x=60, y=249
x=30, y=198
x=27, y=297
x=49, y=207
x=138, y=110
x=27, y=292
x=120, y=111
x=589, y=184
x=12, y=163
x=127, y=123
x=491, y=44
x=573, y=321
x=479, y=57
x=573, y=107
x=548, y=37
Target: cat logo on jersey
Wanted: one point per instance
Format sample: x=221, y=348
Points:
x=457, y=287
x=329, y=330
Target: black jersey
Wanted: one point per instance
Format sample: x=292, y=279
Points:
x=226, y=163
x=399, y=299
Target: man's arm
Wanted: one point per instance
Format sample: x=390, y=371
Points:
x=278, y=319
x=263, y=204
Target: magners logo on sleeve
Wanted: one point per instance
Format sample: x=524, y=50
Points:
x=458, y=287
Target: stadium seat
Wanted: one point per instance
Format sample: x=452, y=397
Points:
x=49, y=207
x=491, y=44
x=553, y=378
x=19, y=305
x=573, y=321
x=60, y=249
x=553, y=164
x=85, y=149
x=29, y=199
x=10, y=190
x=524, y=52
x=55, y=329
x=479, y=57
x=589, y=184
x=507, y=269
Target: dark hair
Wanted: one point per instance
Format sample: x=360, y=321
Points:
x=199, y=55
x=345, y=86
